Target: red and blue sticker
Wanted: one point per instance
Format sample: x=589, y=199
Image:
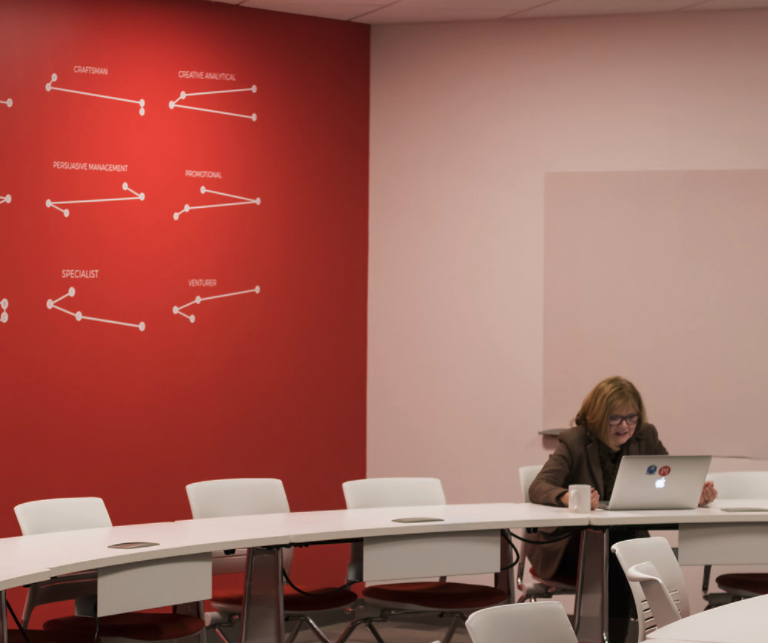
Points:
x=664, y=471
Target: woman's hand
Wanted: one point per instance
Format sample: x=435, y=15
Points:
x=708, y=493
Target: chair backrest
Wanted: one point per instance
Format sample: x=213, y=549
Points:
x=659, y=599
x=238, y=497
x=393, y=492
x=740, y=484
x=544, y=622
x=658, y=552
x=61, y=514
x=527, y=475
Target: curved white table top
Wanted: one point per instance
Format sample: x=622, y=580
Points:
x=740, y=622
x=80, y=550
x=15, y=576
x=713, y=514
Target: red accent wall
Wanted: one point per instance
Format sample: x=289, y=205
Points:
x=267, y=384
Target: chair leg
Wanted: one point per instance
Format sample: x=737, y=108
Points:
x=457, y=620
x=313, y=626
x=221, y=635
x=295, y=632
x=374, y=632
x=350, y=628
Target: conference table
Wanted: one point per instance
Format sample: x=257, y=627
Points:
x=728, y=532
x=740, y=622
x=171, y=562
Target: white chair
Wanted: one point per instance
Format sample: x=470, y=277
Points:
x=653, y=611
x=454, y=600
x=544, y=622
x=68, y=514
x=247, y=497
x=63, y=514
x=737, y=485
x=539, y=588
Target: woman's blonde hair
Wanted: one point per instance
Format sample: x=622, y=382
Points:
x=601, y=401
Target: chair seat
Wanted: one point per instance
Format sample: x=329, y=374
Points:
x=744, y=584
x=322, y=598
x=139, y=626
x=35, y=636
x=436, y=595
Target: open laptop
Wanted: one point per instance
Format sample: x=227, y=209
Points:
x=659, y=482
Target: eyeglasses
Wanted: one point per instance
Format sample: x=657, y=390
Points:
x=631, y=419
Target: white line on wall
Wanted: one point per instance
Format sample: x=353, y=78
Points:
x=50, y=87
x=198, y=300
x=242, y=201
x=139, y=196
x=51, y=304
x=184, y=95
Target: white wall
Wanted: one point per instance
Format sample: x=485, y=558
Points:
x=466, y=120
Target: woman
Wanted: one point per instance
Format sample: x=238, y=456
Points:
x=611, y=423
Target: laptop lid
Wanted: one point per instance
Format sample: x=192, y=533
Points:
x=659, y=482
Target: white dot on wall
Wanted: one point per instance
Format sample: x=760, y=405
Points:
x=72, y=291
x=191, y=319
x=4, y=304
x=202, y=189
x=4, y=317
x=79, y=316
x=49, y=304
x=142, y=326
x=175, y=310
x=257, y=290
x=9, y=102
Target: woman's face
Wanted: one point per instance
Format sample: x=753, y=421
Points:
x=621, y=425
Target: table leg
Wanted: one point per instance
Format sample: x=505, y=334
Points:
x=591, y=618
x=4, y=617
x=263, y=619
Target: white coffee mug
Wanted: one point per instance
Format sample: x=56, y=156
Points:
x=580, y=498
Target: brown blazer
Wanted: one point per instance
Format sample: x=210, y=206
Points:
x=575, y=461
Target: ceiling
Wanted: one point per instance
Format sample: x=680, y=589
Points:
x=376, y=12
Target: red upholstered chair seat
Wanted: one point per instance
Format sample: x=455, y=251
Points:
x=744, y=584
x=323, y=598
x=140, y=626
x=436, y=595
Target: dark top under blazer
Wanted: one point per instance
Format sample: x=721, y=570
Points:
x=576, y=461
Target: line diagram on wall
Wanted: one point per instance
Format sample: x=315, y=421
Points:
x=184, y=95
x=5, y=199
x=51, y=87
x=8, y=102
x=138, y=196
x=198, y=300
x=51, y=305
x=4, y=308
x=241, y=200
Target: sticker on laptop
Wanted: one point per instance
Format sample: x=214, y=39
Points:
x=651, y=470
x=664, y=471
